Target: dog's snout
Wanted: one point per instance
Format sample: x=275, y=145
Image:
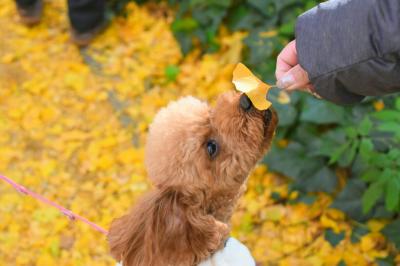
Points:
x=267, y=116
x=245, y=102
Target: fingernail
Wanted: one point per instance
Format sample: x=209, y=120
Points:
x=286, y=81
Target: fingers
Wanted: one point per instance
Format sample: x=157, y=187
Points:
x=289, y=74
x=295, y=78
x=286, y=60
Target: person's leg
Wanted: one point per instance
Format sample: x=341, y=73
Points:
x=85, y=15
x=30, y=11
x=25, y=3
x=87, y=19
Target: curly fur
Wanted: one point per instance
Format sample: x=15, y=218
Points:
x=185, y=218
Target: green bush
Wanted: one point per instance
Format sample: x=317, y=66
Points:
x=323, y=137
x=200, y=20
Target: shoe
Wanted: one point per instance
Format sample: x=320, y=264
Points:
x=83, y=39
x=31, y=15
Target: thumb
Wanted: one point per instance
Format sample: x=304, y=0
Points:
x=295, y=78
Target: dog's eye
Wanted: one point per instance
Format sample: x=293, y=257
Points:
x=212, y=148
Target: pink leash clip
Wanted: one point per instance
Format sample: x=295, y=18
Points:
x=21, y=189
x=69, y=214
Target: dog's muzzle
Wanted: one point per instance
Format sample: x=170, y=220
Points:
x=246, y=105
x=267, y=116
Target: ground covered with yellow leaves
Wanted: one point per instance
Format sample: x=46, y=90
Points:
x=73, y=125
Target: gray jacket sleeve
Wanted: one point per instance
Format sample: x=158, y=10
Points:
x=351, y=48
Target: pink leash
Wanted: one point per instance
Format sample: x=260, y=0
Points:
x=72, y=216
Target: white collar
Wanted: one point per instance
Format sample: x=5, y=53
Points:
x=233, y=254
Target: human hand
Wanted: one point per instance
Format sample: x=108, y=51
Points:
x=289, y=74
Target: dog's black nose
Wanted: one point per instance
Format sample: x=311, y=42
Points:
x=245, y=102
x=267, y=116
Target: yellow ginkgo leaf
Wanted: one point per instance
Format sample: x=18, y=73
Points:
x=255, y=89
x=283, y=97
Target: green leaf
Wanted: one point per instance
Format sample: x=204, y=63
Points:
x=397, y=103
x=388, y=261
x=308, y=135
x=212, y=42
x=327, y=143
x=287, y=112
x=371, y=175
x=381, y=160
x=358, y=232
x=54, y=248
x=387, y=115
x=222, y=3
x=359, y=166
x=310, y=4
x=349, y=200
x=45, y=215
x=351, y=132
x=243, y=17
x=171, y=72
x=390, y=127
x=306, y=199
x=393, y=155
x=267, y=8
x=209, y=17
x=293, y=162
x=276, y=196
x=184, y=24
x=323, y=179
x=260, y=48
x=246, y=223
x=185, y=41
x=371, y=196
x=343, y=155
x=287, y=29
x=342, y=263
x=338, y=152
x=392, y=232
x=347, y=158
x=287, y=161
x=366, y=148
x=392, y=193
x=365, y=126
x=321, y=112
x=333, y=238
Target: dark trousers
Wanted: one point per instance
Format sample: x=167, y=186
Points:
x=84, y=15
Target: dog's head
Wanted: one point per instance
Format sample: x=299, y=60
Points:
x=198, y=158
x=191, y=144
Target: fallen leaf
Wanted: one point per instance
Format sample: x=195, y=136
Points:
x=254, y=88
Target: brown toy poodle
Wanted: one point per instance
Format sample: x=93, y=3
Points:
x=199, y=159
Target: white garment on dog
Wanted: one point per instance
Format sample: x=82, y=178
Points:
x=233, y=254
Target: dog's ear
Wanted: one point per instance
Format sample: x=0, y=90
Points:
x=167, y=227
x=127, y=233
